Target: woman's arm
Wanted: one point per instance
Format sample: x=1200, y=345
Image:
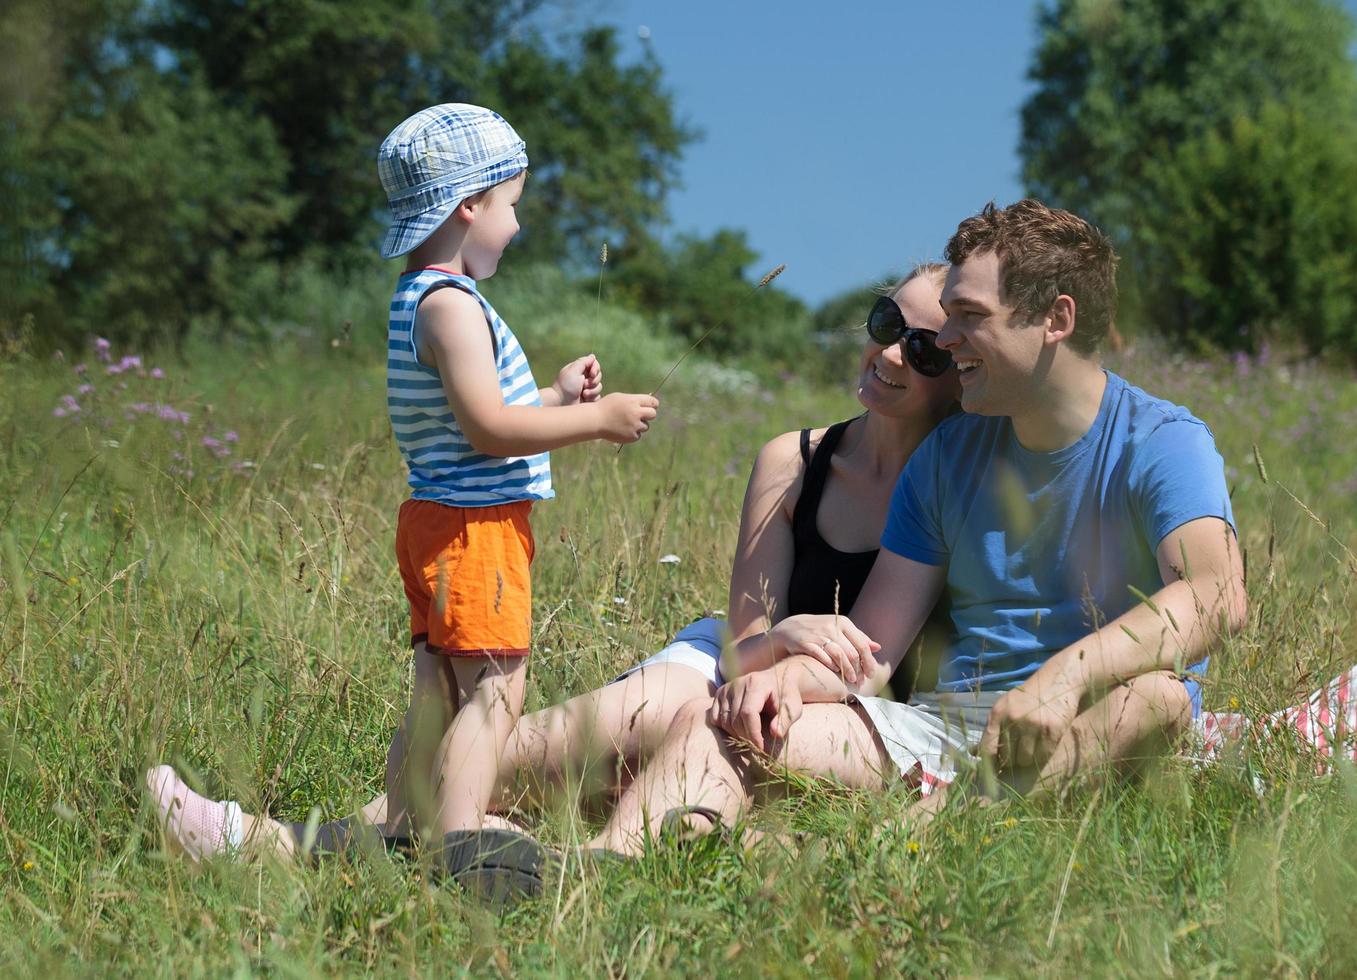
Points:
x=893, y=605
x=765, y=551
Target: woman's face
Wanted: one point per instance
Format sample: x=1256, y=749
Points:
x=887, y=384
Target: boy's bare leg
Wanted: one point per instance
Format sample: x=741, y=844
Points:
x=589, y=734
x=433, y=701
x=698, y=764
x=467, y=767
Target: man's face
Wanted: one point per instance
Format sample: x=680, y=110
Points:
x=996, y=358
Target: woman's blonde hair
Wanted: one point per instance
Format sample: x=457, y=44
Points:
x=937, y=271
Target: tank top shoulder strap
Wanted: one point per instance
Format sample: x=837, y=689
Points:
x=813, y=483
x=435, y=278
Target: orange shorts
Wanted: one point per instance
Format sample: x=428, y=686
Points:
x=465, y=571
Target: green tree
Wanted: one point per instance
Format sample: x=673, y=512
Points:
x=333, y=77
x=154, y=156
x=1148, y=117
x=168, y=198
x=603, y=140
x=140, y=198
x=700, y=284
x=1261, y=242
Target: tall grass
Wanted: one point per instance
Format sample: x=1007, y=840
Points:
x=247, y=623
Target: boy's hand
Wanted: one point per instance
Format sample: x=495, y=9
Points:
x=579, y=381
x=627, y=417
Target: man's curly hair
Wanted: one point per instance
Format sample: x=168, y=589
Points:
x=1045, y=252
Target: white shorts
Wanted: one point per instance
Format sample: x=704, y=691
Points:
x=697, y=646
x=933, y=736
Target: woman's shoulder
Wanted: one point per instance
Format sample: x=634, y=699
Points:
x=781, y=464
x=791, y=450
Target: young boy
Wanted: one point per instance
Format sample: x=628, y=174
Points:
x=474, y=430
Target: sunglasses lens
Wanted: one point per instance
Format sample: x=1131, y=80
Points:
x=885, y=323
x=924, y=355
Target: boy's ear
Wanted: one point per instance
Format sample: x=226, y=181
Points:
x=467, y=210
x=1060, y=319
x=469, y=207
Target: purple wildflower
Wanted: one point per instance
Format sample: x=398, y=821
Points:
x=101, y=347
x=85, y=390
x=231, y=436
x=80, y=368
x=71, y=404
x=157, y=373
x=59, y=412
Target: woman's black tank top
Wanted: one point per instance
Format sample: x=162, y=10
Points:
x=821, y=573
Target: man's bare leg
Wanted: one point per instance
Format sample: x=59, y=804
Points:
x=1134, y=723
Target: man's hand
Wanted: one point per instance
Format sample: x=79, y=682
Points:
x=579, y=381
x=1026, y=725
x=741, y=705
x=831, y=640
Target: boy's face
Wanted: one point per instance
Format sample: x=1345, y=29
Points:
x=494, y=225
x=997, y=357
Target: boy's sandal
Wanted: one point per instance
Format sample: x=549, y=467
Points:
x=500, y=867
x=674, y=826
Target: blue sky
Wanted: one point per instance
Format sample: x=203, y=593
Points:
x=846, y=138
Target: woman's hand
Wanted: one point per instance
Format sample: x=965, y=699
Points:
x=741, y=705
x=580, y=381
x=831, y=640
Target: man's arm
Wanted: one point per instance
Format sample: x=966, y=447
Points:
x=891, y=609
x=1201, y=602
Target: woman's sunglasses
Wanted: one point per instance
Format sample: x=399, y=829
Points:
x=886, y=325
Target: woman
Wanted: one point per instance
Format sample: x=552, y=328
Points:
x=812, y=517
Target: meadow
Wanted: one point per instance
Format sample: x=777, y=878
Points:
x=196, y=569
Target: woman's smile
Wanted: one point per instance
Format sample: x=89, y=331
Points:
x=877, y=373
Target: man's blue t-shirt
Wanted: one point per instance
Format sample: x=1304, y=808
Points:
x=1042, y=549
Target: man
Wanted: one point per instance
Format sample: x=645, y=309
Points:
x=1081, y=527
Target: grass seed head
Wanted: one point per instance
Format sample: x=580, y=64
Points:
x=771, y=276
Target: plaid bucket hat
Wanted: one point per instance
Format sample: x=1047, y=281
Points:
x=438, y=158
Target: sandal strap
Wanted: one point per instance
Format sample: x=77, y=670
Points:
x=673, y=819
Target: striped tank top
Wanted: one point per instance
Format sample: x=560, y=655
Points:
x=443, y=465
